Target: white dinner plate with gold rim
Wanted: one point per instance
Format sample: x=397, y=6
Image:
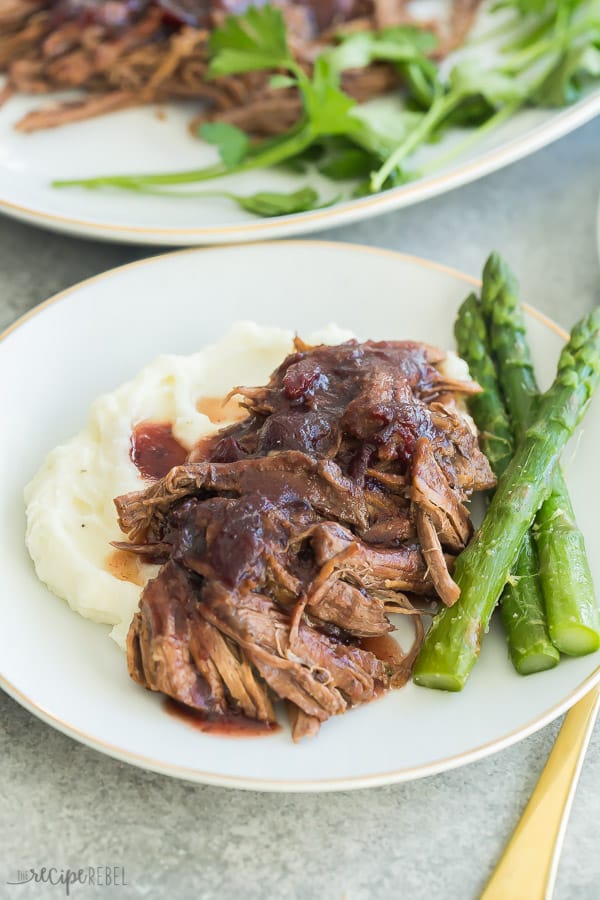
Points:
x=139, y=141
x=92, y=337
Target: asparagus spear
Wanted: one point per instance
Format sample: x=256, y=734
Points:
x=522, y=602
x=487, y=408
x=524, y=615
x=452, y=644
x=571, y=608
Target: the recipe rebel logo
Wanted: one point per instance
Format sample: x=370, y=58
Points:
x=95, y=876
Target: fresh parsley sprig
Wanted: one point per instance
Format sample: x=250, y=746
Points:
x=550, y=58
x=551, y=68
x=257, y=40
x=266, y=204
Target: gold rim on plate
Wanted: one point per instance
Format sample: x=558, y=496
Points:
x=542, y=135
x=264, y=784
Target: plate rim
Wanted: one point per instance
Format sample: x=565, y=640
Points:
x=193, y=774
x=559, y=125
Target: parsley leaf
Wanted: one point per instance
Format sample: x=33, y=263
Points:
x=383, y=124
x=471, y=80
x=271, y=203
x=233, y=143
x=565, y=83
x=349, y=162
x=277, y=82
x=326, y=105
x=255, y=40
x=395, y=45
x=524, y=7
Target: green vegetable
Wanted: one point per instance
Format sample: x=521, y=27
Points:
x=571, y=607
x=257, y=40
x=251, y=42
x=232, y=142
x=565, y=83
x=351, y=162
x=523, y=615
x=522, y=602
x=573, y=616
x=549, y=64
x=278, y=82
x=508, y=339
x=263, y=203
x=525, y=6
x=269, y=203
x=487, y=408
x=550, y=68
x=452, y=644
x=467, y=82
x=398, y=45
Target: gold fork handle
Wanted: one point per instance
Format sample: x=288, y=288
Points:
x=527, y=869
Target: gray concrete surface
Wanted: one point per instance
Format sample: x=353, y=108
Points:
x=64, y=805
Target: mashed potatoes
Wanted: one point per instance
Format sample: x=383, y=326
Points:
x=71, y=518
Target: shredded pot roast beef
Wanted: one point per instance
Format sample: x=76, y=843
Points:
x=288, y=537
x=126, y=53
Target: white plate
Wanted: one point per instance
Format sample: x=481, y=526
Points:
x=57, y=359
x=138, y=141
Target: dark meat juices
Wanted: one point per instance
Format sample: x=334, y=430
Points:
x=233, y=726
x=154, y=449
